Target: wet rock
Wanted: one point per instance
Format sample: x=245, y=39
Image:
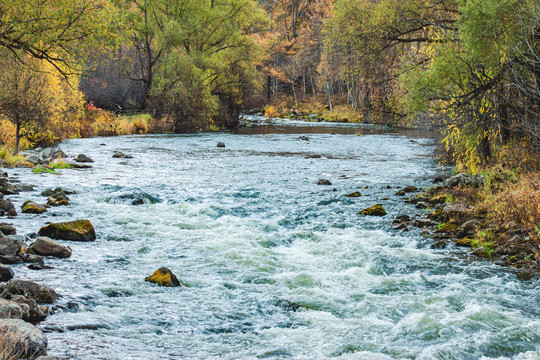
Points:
x=81, y=158
x=6, y=273
x=421, y=223
x=121, y=155
x=422, y=205
x=33, y=259
x=7, y=229
x=402, y=218
x=78, y=230
x=50, y=192
x=76, y=165
x=25, y=337
x=58, y=199
x=12, y=212
x=302, y=138
x=220, y=145
x=405, y=190
x=10, y=259
x=48, y=247
x=354, y=194
x=35, y=313
x=9, y=247
x=481, y=252
x=117, y=293
x=23, y=187
x=6, y=206
x=400, y=226
x=438, y=245
x=10, y=310
x=30, y=290
x=163, y=277
x=30, y=207
x=375, y=210
x=324, y=182
x=464, y=180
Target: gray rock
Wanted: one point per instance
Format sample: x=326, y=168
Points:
x=50, y=192
x=465, y=180
x=10, y=310
x=35, y=314
x=8, y=247
x=405, y=190
x=33, y=259
x=81, y=158
x=22, y=187
x=27, y=340
x=10, y=259
x=48, y=247
x=6, y=273
x=7, y=229
x=121, y=155
x=30, y=290
x=34, y=159
x=220, y=145
x=80, y=166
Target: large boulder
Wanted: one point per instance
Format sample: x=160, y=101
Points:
x=6, y=273
x=163, y=277
x=9, y=247
x=10, y=310
x=30, y=290
x=30, y=207
x=375, y=210
x=48, y=247
x=457, y=212
x=78, y=230
x=20, y=339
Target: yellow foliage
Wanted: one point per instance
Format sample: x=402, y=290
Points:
x=270, y=112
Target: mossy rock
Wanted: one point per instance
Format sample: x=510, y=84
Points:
x=448, y=228
x=78, y=230
x=354, y=194
x=438, y=199
x=30, y=207
x=464, y=242
x=163, y=277
x=435, y=214
x=57, y=201
x=375, y=210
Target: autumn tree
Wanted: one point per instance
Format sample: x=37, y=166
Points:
x=40, y=103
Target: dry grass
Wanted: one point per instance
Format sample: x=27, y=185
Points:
x=11, y=347
x=519, y=201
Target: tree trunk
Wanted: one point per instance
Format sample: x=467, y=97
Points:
x=17, y=137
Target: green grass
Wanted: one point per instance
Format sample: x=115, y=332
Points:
x=7, y=155
x=51, y=168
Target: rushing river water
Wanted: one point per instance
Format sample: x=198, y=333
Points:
x=277, y=267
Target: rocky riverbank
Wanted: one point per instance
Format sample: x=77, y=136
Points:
x=452, y=217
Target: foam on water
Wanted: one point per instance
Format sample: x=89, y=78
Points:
x=276, y=267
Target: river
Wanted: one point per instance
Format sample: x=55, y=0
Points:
x=276, y=267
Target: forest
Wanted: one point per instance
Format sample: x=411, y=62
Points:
x=468, y=68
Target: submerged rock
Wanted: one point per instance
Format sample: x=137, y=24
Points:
x=25, y=339
x=220, y=145
x=121, y=155
x=137, y=198
x=48, y=247
x=324, y=182
x=375, y=210
x=354, y=194
x=78, y=230
x=30, y=207
x=163, y=277
x=30, y=290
